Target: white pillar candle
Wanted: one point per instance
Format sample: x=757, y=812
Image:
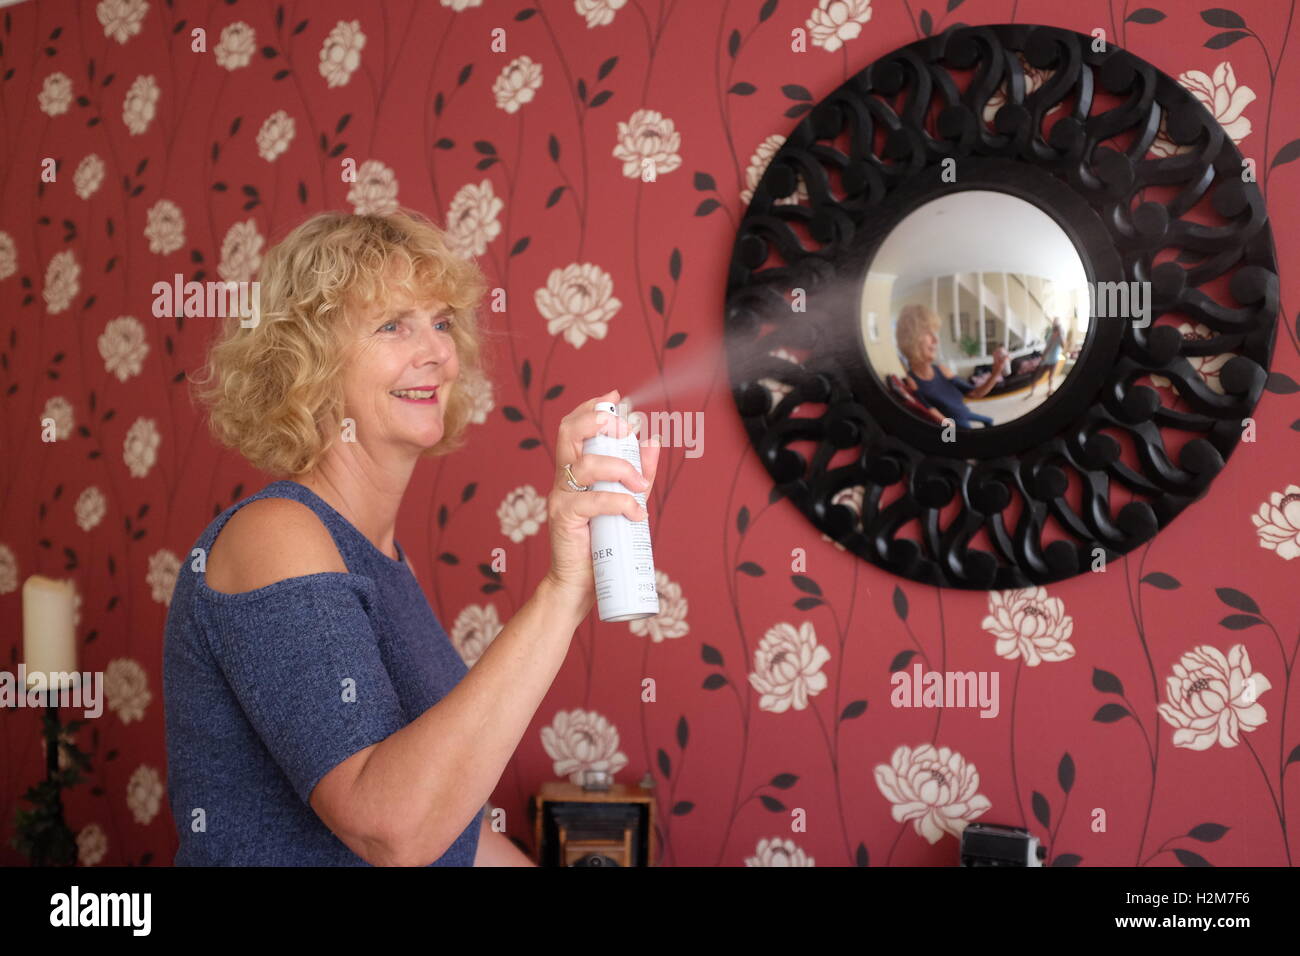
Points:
x=49, y=638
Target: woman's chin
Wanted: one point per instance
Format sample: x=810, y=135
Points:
x=424, y=440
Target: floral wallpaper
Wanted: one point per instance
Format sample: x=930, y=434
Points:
x=1143, y=714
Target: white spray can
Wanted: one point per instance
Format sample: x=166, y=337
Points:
x=621, y=557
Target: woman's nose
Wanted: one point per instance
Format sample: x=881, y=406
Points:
x=436, y=345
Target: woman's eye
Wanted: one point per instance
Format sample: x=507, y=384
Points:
x=386, y=325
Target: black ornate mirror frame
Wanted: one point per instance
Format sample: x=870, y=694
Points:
x=1026, y=465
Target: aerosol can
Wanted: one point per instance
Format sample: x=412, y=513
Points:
x=621, y=555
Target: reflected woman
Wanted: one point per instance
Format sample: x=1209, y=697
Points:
x=934, y=384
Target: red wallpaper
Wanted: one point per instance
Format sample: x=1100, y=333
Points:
x=771, y=737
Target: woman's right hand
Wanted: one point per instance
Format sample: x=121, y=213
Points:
x=569, y=512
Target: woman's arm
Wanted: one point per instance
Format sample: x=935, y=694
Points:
x=983, y=388
x=405, y=799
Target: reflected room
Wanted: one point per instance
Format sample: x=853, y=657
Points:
x=974, y=308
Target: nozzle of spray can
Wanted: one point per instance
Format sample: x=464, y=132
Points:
x=622, y=558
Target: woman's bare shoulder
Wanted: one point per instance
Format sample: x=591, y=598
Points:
x=269, y=540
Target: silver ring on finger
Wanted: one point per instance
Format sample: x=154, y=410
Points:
x=572, y=482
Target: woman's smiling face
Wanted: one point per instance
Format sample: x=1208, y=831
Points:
x=926, y=348
x=399, y=374
x=930, y=345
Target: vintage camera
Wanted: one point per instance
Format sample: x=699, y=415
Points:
x=992, y=844
x=594, y=859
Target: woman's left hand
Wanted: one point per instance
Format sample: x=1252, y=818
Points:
x=999, y=361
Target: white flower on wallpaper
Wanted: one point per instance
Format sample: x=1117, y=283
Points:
x=88, y=176
x=1034, y=78
x=121, y=19
x=778, y=852
x=578, y=302
x=522, y=513
x=241, y=252
x=833, y=22
x=56, y=94
x=1277, y=523
x=375, y=191
x=670, y=622
x=62, y=281
x=236, y=47
x=275, y=135
x=144, y=793
x=459, y=5
x=165, y=228
x=126, y=689
x=850, y=497
x=59, y=409
x=8, y=255
x=163, y=568
x=472, y=219
x=934, y=788
x=122, y=347
x=476, y=627
x=648, y=135
x=139, y=105
x=92, y=844
x=599, y=13
x=520, y=79
x=8, y=570
x=478, y=389
x=580, y=740
x=788, y=667
x=1030, y=625
x=340, y=54
x=1206, y=366
x=776, y=388
x=758, y=164
x=90, y=508
x=140, y=448
x=1222, y=96
x=1213, y=698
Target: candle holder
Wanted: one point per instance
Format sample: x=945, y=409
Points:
x=42, y=834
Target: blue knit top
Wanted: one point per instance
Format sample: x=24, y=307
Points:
x=268, y=690
x=945, y=394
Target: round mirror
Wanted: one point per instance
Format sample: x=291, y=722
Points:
x=940, y=209
x=958, y=326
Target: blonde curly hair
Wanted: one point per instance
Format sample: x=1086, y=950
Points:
x=913, y=322
x=273, y=390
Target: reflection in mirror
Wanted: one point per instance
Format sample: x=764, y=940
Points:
x=974, y=308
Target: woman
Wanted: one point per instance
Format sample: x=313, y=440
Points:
x=316, y=711
x=918, y=339
x=1051, y=355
